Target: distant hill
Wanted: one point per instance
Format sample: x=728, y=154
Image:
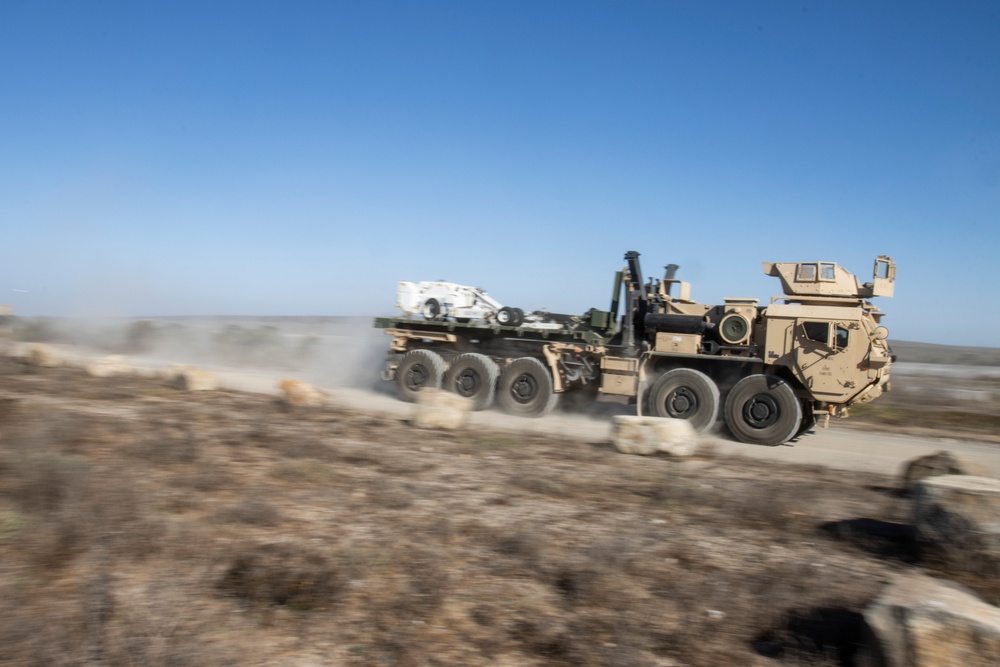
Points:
x=955, y=355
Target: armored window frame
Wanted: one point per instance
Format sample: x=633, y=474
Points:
x=816, y=272
x=883, y=269
x=818, y=332
x=842, y=337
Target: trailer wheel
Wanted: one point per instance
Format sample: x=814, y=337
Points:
x=684, y=393
x=763, y=410
x=526, y=388
x=419, y=369
x=473, y=376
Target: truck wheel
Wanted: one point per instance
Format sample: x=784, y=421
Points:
x=763, y=410
x=473, y=376
x=419, y=369
x=510, y=317
x=526, y=388
x=808, y=424
x=684, y=393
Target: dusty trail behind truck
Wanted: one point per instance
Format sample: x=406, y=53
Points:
x=768, y=371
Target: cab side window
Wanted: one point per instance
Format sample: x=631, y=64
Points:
x=817, y=331
x=843, y=338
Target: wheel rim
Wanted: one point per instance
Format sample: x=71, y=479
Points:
x=503, y=317
x=760, y=411
x=467, y=383
x=682, y=403
x=416, y=377
x=524, y=389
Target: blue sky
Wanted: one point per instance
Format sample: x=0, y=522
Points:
x=298, y=158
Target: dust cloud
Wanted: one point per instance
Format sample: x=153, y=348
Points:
x=342, y=355
x=327, y=351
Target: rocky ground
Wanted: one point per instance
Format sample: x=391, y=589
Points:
x=141, y=524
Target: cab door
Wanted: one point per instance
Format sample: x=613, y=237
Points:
x=824, y=359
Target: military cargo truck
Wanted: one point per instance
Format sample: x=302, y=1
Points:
x=768, y=371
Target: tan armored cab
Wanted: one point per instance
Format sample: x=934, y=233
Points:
x=827, y=334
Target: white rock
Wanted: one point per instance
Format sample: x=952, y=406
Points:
x=649, y=435
x=303, y=394
x=437, y=408
x=923, y=622
x=959, y=515
x=108, y=366
x=42, y=355
x=934, y=465
x=192, y=378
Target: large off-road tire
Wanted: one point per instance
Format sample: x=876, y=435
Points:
x=763, y=410
x=510, y=317
x=684, y=393
x=473, y=376
x=419, y=369
x=808, y=424
x=525, y=388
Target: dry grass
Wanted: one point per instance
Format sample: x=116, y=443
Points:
x=165, y=530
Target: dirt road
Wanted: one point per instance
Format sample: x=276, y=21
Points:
x=851, y=448
x=350, y=354
x=841, y=446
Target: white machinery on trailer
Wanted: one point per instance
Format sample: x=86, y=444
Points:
x=437, y=300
